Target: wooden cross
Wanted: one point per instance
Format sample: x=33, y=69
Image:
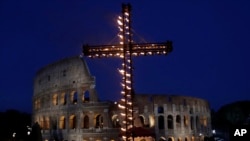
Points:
x=126, y=50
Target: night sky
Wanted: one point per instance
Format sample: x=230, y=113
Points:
x=210, y=59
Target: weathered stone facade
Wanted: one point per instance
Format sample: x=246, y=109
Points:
x=66, y=106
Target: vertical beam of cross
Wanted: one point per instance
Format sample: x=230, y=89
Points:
x=126, y=50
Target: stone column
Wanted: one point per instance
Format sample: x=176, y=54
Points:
x=92, y=95
x=105, y=118
x=78, y=119
x=91, y=119
x=79, y=96
x=68, y=102
x=67, y=122
x=182, y=123
x=174, y=123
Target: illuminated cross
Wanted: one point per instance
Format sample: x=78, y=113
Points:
x=126, y=49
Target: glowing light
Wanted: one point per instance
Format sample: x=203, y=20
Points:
x=123, y=129
x=119, y=22
x=120, y=36
x=128, y=74
x=122, y=84
x=121, y=106
x=129, y=82
x=121, y=71
x=126, y=13
x=120, y=28
x=128, y=88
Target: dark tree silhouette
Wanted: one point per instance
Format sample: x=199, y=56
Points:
x=36, y=134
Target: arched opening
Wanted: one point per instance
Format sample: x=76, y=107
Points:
x=185, y=121
x=85, y=97
x=99, y=121
x=86, y=122
x=160, y=110
x=161, y=122
x=62, y=122
x=171, y=139
x=170, y=122
x=186, y=139
x=41, y=122
x=197, y=123
x=72, y=122
x=178, y=121
x=55, y=99
x=46, y=123
x=142, y=120
x=179, y=139
x=205, y=121
x=73, y=97
x=63, y=99
x=116, y=121
x=54, y=124
x=192, y=123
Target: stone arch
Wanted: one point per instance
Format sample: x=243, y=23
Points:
x=53, y=123
x=179, y=139
x=86, y=96
x=142, y=120
x=192, y=138
x=86, y=121
x=73, y=97
x=185, y=120
x=41, y=122
x=99, y=121
x=192, y=122
x=46, y=122
x=197, y=121
x=178, y=121
x=62, y=122
x=160, y=110
x=170, y=122
x=186, y=139
x=161, y=124
x=55, y=99
x=151, y=121
x=162, y=138
x=116, y=121
x=63, y=99
x=170, y=138
x=72, y=122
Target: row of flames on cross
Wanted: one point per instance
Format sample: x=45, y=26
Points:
x=126, y=103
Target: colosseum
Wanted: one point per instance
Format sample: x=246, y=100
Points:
x=67, y=108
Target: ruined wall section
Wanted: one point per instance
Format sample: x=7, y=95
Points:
x=173, y=116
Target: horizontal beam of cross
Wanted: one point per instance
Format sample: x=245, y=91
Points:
x=137, y=49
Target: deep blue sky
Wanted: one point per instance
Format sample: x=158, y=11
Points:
x=210, y=59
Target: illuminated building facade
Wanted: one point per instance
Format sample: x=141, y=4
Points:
x=66, y=106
